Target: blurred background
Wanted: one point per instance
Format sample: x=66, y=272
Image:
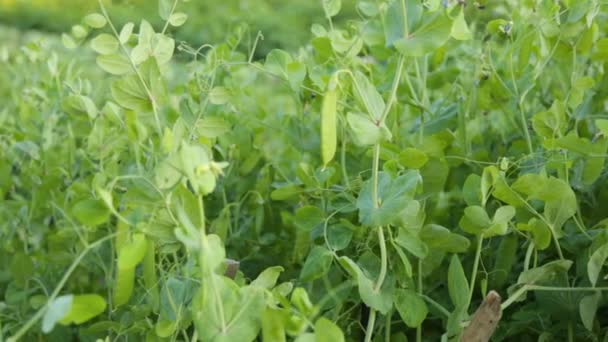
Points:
x=284, y=23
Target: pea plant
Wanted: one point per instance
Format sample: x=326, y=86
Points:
x=425, y=171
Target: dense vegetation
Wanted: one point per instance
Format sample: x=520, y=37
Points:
x=374, y=184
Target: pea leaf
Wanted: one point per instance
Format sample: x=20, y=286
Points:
x=365, y=132
x=431, y=35
x=83, y=308
x=393, y=194
x=317, y=264
x=411, y=307
x=91, y=212
x=458, y=285
x=327, y=331
x=596, y=263
x=56, y=310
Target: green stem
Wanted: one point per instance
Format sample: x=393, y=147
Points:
x=394, y=88
x=524, y=125
x=437, y=306
x=528, y=256
x=419, y=328
x=375, y=168
x=526, y=288
x=204, y=245
x=405, y=23
x=369, y=330
x=475, y=267
x=57, y=289
x=383, y=259
x=168, y=19
x=387, y=327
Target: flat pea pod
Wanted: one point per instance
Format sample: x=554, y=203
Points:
x=328, y=125
x=123, y=286
x=149, y=272
x=506, y=256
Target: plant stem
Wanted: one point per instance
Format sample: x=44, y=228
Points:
x=512, y=298
x=168, y=19
x=369, y=330
x=524, y=125
x=57, y=289
x=419, y=328
x=474, y=271
x=394, y=88
x=437, y=306
x=387, y=327
x=383, y=259
x=375, y=167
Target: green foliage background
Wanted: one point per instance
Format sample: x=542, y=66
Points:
x=375, y=178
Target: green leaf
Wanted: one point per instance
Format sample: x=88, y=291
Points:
x=174, y=295
x=368, y=96
x=276, y=62
x=471, y=190
x=104, y=44
x=57, y=309
x=129, y=93
x=327, y=331
x=411, y=307
x=164, y=8
x=365, y=132
x=317, y=264
x=475, y=220
x=95, y=20
x=164, y=328
x=268, y=278
x=308, y=217
x=240, y=319
x=588, y=307
x=162, y=48
x=551, y=123
x=378, y=299
x=458, y=285
x=273, y=325
x=540, y=232
x=427, y=38
x=332, y=7
x=545, y=272
x=125, y=32
x=596, y=262
x=393, y=194
x=409, y=240
x=84, y=308
x=500, y=221
x=219, y=96
x=440, y=238
x=460, y=29
x=91, y=212
x=212, y=127
x=413, y=158
x=115, y=64
x=560, y=203
x=178, y=19
x=68, y=42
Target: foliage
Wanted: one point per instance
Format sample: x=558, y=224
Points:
x=375, y=184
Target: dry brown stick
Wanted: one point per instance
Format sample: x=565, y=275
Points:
x=232, y=267
x=484, y=321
